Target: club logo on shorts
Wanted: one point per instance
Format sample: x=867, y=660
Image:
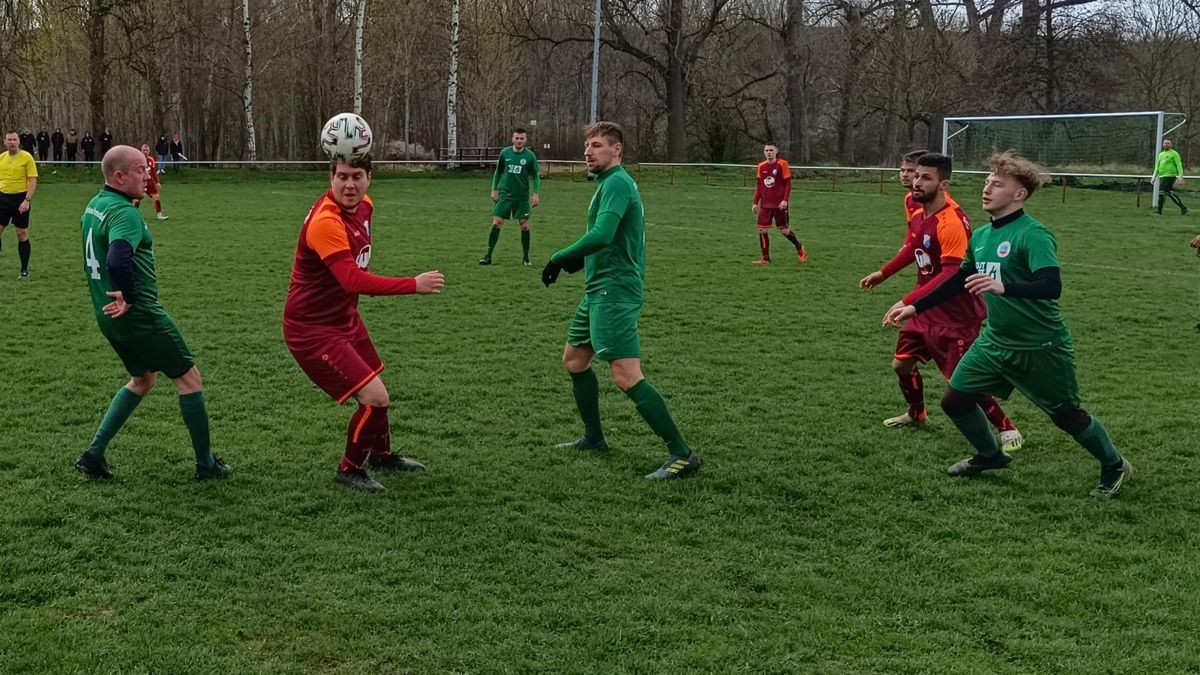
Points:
x=1004, y=249
x=364, y=257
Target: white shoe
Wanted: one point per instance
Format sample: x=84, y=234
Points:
x=904, y=420
x=163, y=216
x=1011, y=440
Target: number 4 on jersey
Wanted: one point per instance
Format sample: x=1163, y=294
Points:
x=90, y=257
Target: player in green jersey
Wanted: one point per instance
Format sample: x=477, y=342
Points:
x=516, y=171
x=118, y=261
x=1012, y=263
x=612, y=254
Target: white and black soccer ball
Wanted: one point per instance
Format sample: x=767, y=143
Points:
x=346, y=137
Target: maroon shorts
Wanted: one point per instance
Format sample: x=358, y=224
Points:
x=339, y=363
x=765, y=216
x=944, y=346
x=152, y=188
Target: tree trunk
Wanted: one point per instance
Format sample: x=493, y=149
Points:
x=97, y=16
x=452, y=92
x=248, y=90
x=676, y=84
x=358, y=56
x=795, y=69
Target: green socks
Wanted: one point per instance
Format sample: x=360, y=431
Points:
x=493, y=237
x=587, y=398
x=195, y=416
x=653, y=408
x=525, y=243
x=975, y=427
x=1095, y=439
x=122, y=406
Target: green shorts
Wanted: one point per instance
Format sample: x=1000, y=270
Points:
x=164, y=351
x=509, y=209
x=609, y=328
x=1045, y=376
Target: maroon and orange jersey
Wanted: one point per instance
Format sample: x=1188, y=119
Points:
x=912, y=207
x=315, y=296
x=774, y=184
x=151, y=173
x=939, y=244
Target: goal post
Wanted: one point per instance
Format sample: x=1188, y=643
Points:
x=1117, y=145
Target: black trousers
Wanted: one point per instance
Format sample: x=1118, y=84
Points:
x=1166, y=188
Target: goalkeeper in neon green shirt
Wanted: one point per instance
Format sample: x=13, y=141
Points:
x=613, y=256
x=1168, y=169
x=516, y=172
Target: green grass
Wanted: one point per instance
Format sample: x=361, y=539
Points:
x=814, y=540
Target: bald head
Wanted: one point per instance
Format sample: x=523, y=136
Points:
x=120, y=158
x=124, y=170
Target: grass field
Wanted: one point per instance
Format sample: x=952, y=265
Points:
x=813, y=541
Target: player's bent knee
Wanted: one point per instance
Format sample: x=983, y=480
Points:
x=189, y=383
x=957, y=403
x=524, y=225
x=904, y=366
x=785, y=231
x=1072, y=421
x=576, y=359
x=374, y=394
x=22, y=234
x=627, y=373
x=142, y=384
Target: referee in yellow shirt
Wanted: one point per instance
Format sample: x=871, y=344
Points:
x=18, y=182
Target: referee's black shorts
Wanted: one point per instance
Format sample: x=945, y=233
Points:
x=10, y=210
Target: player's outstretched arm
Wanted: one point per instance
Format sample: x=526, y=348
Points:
x=430, y=283
x=597, y=238
x=354, y=279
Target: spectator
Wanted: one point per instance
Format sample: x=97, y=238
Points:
x=105, y=142
x=43, y=144
x=161, y=148
x=27, y=140
x=56, y=144
x=72, y=145
x=176, y=151
x=89, y=147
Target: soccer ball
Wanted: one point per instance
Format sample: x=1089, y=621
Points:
x=346, y=137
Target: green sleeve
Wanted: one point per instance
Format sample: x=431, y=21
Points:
x=1041, y=250
x=126, y=224
x=1178, y=163
x=968, y=262
x=598, y=237
x=537, y=176
x=498, y=172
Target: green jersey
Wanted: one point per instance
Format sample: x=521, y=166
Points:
x=1011, y=253
x=108, y=217
x=514, y=172
x=1169, y=164
x=614, y=247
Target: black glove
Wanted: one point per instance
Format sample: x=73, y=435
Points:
x=550, y=273
x=571, y=265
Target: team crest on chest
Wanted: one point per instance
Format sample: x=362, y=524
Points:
x=1004, y=249
x=364, y=257
x=769, y=181
x=927, y=241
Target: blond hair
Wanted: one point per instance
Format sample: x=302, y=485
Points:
x=1011, y=165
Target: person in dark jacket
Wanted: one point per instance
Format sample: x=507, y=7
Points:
x=72, y=145
x=161, y=148
x=89, y=147
x=43, y=145
x=105, y=142
x=27, y=140
x=56, y=144
x=176, y=151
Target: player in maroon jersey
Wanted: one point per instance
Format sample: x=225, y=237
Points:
x=937, y=239
x=152, y=183
x=772, y=189
x=323, y=329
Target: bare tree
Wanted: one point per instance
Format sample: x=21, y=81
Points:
x=452, y=90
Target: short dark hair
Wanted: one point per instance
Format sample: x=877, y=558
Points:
x=912, y=156
x=520, y=130
x=771, y=144
x=610, y=130
x=938, y=161
x=363, y=163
